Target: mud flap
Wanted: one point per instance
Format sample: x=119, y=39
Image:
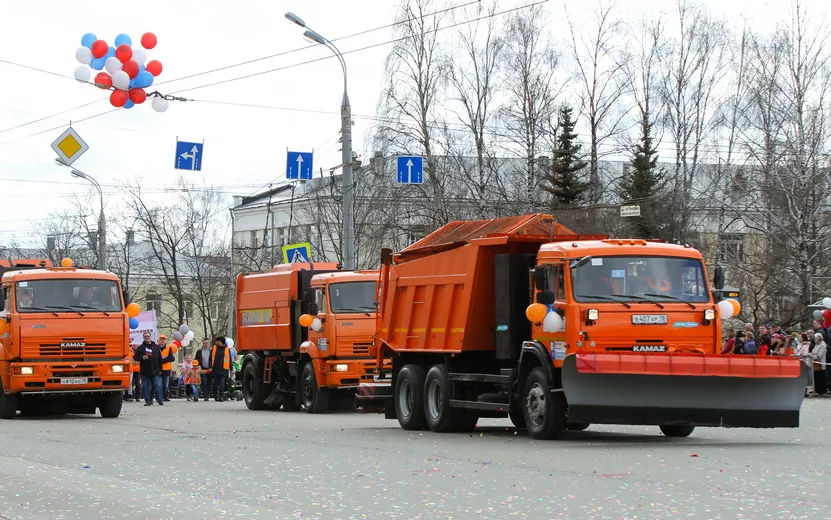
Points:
x=749, y=393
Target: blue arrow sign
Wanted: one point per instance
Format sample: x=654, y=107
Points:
x=410, y=169
x=189, y=156
x=299, y=166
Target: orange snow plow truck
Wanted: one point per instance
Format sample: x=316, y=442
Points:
x=64, y=341
x=305, y=333
x=520, y=317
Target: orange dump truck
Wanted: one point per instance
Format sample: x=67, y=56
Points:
x=620, y=332
x=290, y=364
x=64, y=343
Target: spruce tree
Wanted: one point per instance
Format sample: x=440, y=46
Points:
x=644, y=184
x=564, y=181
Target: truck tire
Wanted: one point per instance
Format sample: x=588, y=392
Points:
x=517, y=416
x=253, y=391
x=545, y=411
x=409, y=397
x=677, y=430
x=110, y=406
x=439, y=415
x=315, y=400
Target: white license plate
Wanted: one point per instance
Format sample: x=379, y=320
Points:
x=74, y=381
x=649, y=319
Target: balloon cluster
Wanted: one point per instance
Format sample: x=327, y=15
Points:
x=122, y=69
x=133, y=310
x=825, y=315
x=550, y=319
x=729, y=308
x=183, y=336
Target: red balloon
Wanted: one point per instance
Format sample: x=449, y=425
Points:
x=123, y=52
x=103, y=80
x=826, y=314
x=131, y=68
x=148, y=40
x=99, y=48
x=118, y=98
x=138, y=95
x=154, y=67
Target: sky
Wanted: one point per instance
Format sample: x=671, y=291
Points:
x=290, y=105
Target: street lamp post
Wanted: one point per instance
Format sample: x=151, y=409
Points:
x=102, y=222
x=348, y=232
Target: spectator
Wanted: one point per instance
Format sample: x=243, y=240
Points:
x=765, y=343
x=818, y=358
x=150, y=361
x=803, y=351
x=168, y=351
x=730, y=344
x=190, y=376
x=738, y=347
x=203, y=356
x=135, y=377
x=749, y=344
x=220, y=366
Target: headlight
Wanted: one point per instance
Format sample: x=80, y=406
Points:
x=117, y=369
x=594, y=314
x=709, y=314
x=27, y=371
x=341, y=368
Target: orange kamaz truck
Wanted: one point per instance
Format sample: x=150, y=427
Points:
x=305, y=333
x=620, y=332
x=64, y=343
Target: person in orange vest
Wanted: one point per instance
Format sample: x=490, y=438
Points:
x=168, y=351
x=135, y=377
x=220, y=366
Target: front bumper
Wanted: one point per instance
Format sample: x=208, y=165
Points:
x=69, y=378
x=357, y=371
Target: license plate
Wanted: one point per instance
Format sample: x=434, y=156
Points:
x=649, y=319
x=74, y=381
x=649, y=348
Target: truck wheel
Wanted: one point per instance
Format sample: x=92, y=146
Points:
x=110, y=406
x=253, y=391
x=409, y=397
x=440, y=417
x=517, y=415
x=677, y=430
x=315, y=399
x=578, y=426
x=545, y=411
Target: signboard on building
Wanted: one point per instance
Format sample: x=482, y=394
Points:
x=630, y=211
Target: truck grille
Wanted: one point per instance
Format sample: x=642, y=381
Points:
x=361, y=349
x=72, y=349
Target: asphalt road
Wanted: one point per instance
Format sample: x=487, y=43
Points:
x=219, y=460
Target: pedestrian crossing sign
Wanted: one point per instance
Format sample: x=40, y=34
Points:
x=297, y=253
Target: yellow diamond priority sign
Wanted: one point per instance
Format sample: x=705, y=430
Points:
x=69, y=146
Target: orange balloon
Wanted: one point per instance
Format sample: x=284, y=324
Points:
x=306, y=320
x=66, y=262
x=737, y=307
x=536, y=312
x=133, y=310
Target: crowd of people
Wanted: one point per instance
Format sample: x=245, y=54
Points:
x=209, y=371
x=810, y=345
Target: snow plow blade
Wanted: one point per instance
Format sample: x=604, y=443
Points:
x=700, y=390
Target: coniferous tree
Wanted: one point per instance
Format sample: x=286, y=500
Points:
x=564, y=180
x=643, y=185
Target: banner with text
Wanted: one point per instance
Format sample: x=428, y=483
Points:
x=147, y=323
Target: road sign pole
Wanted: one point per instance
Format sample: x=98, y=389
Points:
x=347, y=188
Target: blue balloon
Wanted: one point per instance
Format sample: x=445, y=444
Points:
x=144, y=79
x=98, y=63
x=88, y=39
x=134, y=323
x=133, y=83
x=129, y=104
x=110, y=53
x=123, y=39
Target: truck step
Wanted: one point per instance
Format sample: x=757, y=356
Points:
x=480, y=378
x=480, y=405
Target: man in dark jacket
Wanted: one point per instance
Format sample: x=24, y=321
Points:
x=220, y=366
x=149, y=356
x=826, y=337
x=203, y=356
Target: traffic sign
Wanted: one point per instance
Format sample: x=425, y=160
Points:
x=297, y=253
x=299, y=166
x=410, y=169
x=189, y=156
x=69, y=146
x=630, y=211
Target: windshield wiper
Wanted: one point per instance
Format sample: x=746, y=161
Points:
x=639, y=298
x=40, y=309
x=352, y=310
x=61, y=307
x=96, y=309
x=670, y=297
x=598, y=297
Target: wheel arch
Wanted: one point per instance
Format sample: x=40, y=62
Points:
x=534, y=355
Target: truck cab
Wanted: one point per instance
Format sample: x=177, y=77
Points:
x=65, y=342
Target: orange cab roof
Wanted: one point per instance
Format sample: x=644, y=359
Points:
x=345, y=276
x=321, y=266
x=615, y=247
x=58, y=272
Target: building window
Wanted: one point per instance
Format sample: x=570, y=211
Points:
x=218, y=310
x=189, y=309
x=732, y=248
x=153, y=302
x=255, y=243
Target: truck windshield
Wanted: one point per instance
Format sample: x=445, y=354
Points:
x=352, y=297
x=68, y=295
x=639, y=278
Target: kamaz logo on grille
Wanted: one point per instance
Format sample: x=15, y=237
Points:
x=649, y=348
x=73, y=344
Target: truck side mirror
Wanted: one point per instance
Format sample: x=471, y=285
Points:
x=313, y=310
x=126, y=295
x=308, y=297
x=541, y=278
x=546, y=297
x=719, y=277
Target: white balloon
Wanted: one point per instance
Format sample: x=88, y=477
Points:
x=317, y=325
x=826, y=302
x=159, y=104
x=112, y=65
x=229, y=342
x=817, y=314
x=83, y=74
x=190, y=335
x=552, y=322
x=185, y=342
x=83, y=55
x=121, y=80
x=139, y=55
x=725, y=309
